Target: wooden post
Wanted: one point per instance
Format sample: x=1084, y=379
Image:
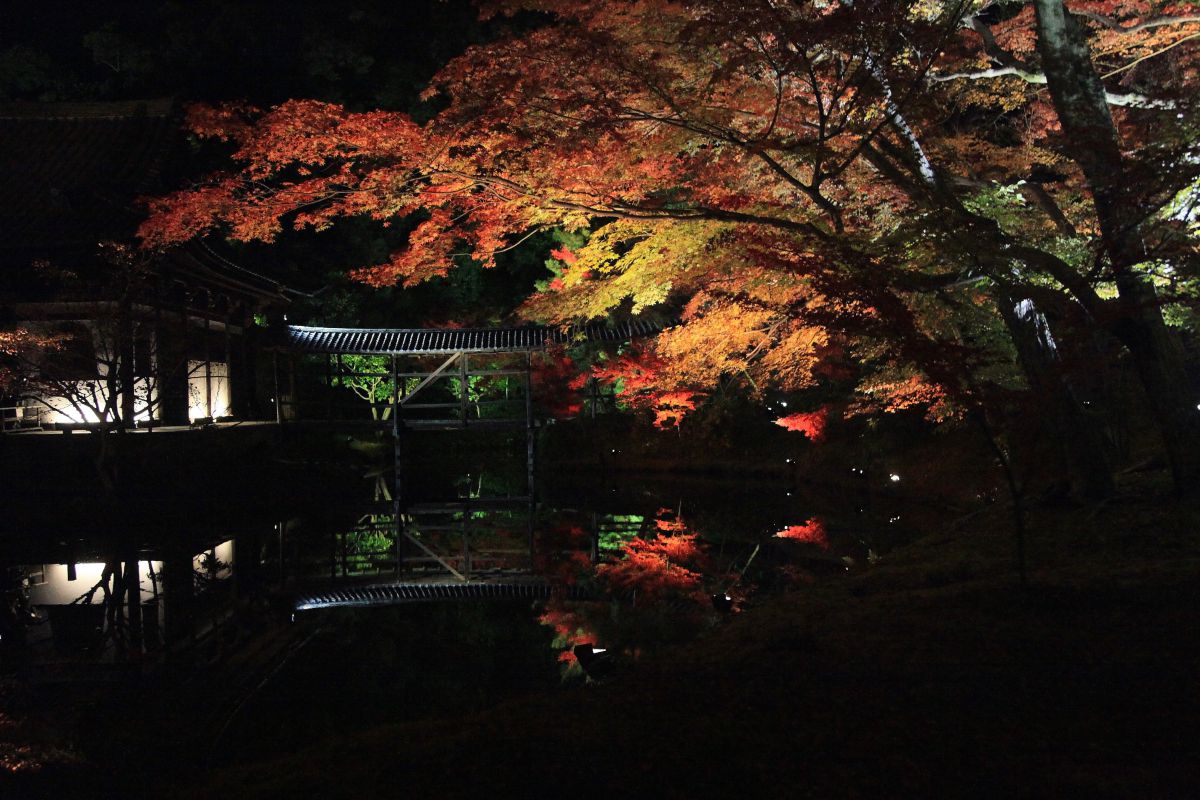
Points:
x=275, y=379
x=397, y=450
x=229, y=358
x=123, y=405
x=292, y=386
x=398, y=528
x=398, y=387
x=133, y=602
x=207, y=355
x=345, y=550
x=529, y=465
x=394, y=397
x=595, y=554
x=185, y=348
x=466, y=541
x=337, y=376
x=244, y=392
x=328, y=386
x=531, y=525
x=282, y=536
x=398, y=459
x=171, y=356
x=154, y=394
x=462, y=389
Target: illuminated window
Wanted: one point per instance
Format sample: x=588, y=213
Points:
x=208, y=390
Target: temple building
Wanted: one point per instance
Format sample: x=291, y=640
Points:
x=136, y=339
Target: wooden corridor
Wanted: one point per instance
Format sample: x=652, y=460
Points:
x=405, y=380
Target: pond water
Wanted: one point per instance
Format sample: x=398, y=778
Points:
x=341, y=606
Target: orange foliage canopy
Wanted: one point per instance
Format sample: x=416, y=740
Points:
x=739, y=164
x=20, y=351
x=645, y=379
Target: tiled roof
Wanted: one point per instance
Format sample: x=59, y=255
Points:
x=389, y=594
x=71, y=171
x=198, y=262
x=432, y=341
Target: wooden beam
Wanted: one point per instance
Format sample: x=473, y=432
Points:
x=437, y=373
x=434, y=556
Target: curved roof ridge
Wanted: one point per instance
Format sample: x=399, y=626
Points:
x=432, y=341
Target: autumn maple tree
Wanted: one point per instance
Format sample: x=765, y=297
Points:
x=804, y=185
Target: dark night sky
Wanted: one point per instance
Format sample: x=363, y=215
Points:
x=364, y=53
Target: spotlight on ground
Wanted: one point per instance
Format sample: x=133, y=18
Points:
x=597, y=663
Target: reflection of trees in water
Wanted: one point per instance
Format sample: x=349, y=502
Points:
x=109, y=612
x=656, y=576
x=371, y=547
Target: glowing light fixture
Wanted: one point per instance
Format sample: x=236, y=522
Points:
x=595, y=661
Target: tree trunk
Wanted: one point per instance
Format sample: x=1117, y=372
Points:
x=1081, y=442
x=1091, y=141
x=133, y=602
x=125, y=367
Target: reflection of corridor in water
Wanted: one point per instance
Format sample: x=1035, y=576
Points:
x=634, y=540
x=112, y=610
x=437, y=605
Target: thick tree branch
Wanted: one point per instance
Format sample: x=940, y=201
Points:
x=1124, y=99
x=1045, y=201
x=1157, y=22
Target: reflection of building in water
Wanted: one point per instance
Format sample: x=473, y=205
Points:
x=51, y=584
x=93, y=607
x=464, y=540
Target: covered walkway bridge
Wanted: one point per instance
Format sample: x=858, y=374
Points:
x=425, y=379
x=421, y=377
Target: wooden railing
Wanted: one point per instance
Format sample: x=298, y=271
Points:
x=20, y=418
